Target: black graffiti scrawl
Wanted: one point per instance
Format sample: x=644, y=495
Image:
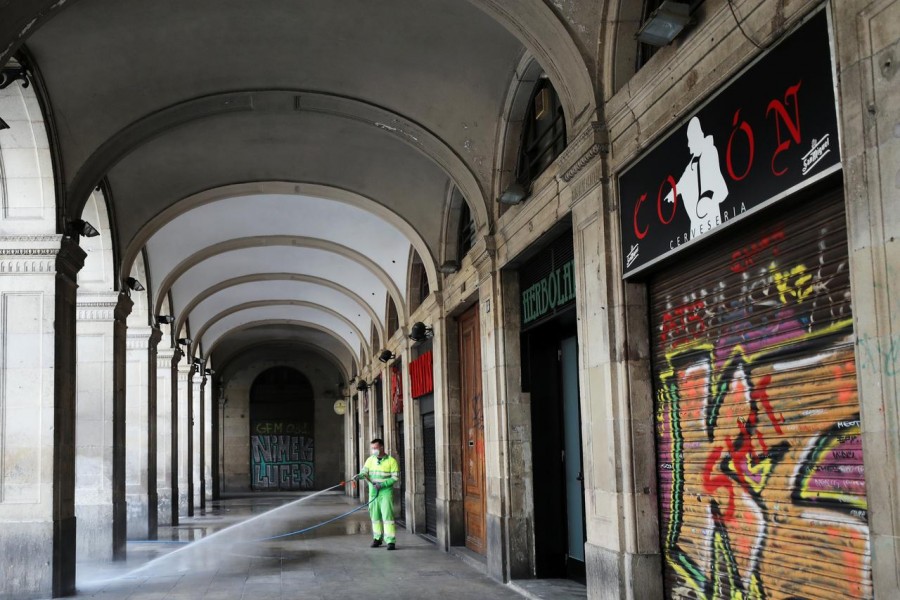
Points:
x=770, y=131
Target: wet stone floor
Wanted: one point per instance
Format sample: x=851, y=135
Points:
x=225, y=558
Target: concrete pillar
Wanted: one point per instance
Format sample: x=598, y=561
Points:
x=100, y=435
x=182, y=410
x=166, y=464
x=141, y=441
x=196, y=447
x=37, y=415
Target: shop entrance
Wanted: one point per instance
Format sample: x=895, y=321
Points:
x=550, y=364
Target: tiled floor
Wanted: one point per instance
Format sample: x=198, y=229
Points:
x=331, y=562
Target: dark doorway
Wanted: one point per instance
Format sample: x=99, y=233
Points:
x=282, y=414
x=429, y=452
x=550, y=374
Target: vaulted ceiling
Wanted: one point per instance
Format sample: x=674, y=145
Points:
x=277, y=160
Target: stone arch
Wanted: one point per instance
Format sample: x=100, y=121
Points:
x=235, y=281
x=201, y=331
x=293, y=241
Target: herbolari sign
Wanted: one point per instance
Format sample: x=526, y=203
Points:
x=770, y=131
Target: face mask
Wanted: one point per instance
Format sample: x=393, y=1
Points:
x=375, y=451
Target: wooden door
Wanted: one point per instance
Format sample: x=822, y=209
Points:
x=472, y=419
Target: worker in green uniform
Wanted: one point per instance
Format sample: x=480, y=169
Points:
x=382, y=472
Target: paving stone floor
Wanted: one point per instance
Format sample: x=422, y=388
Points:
x=226, y=561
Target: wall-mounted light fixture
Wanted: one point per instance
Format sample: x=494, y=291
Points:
x=134, y=284
x=665, y=23
x=362, y=386
x=419, y=332
x=165, y=319
x=210, y=372
x=184, y=341
x=3, y=125
x=386, y=355
x=83, y=228
x=514, y=194
x=449, y=267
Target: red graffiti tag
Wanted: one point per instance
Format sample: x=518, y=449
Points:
x=683, y=324
x=746, y=257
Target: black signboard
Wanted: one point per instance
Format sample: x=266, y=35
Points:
x=547, y=282
x=770, y=131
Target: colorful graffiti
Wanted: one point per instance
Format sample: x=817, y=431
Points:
x=282, y=457
x=762, y=487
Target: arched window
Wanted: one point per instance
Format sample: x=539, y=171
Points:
x=543, y=133
x=393, y=321
x=466, y=230
x=418, y=282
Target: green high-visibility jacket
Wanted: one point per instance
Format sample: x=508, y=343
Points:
x=385, y=471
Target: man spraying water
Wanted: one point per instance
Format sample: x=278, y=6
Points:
x=382, y=472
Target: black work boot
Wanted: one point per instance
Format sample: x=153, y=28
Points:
x=391, y=546
x=375, y=543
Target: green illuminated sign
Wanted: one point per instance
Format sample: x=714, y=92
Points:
x=553, y=291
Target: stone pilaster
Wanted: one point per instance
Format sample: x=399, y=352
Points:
x=37, y=407
x=140, y=463
x=209, y=407
x=100, y=423
x=182, y=414
x=166, y=458
x=196, y=446
x=204, y=448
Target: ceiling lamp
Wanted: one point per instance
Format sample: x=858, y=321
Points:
x=449, y=267
x=84, y=228
x=419, y=332
x=514, y=194
x=386, y=355
x=665, y=23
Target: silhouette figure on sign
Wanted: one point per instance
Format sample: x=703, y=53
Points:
x=702, y=186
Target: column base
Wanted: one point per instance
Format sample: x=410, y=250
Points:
x=615, y=575
x=138, y=517
x=185, y=508
x=94, y=535
x=33, y=566
x=164, y=507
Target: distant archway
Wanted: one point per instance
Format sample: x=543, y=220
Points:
x=282, y=414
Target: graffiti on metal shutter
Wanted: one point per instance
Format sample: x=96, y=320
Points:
x=762, y=486
x=282, y=456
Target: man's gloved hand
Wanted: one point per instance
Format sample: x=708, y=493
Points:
x=377, y=487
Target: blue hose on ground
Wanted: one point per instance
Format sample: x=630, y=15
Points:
x=323, y=523
x=274, y=537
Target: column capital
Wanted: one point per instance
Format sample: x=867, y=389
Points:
x=124, y=304
x=140, y=338
x=96, y=306
x=40, y=255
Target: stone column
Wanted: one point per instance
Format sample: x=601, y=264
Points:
x=196, y=448
x=100, y=419
x=140, y=424
x=120, y=507
x=37, y=414
x=450, y=528
x=182, y=415
x=166, y=459
x=202, y=441
x=208, y=417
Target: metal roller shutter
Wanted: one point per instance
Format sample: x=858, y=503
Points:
x=759, y=456
x=430, y=456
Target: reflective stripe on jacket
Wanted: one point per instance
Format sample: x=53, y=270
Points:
x=385, y=471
